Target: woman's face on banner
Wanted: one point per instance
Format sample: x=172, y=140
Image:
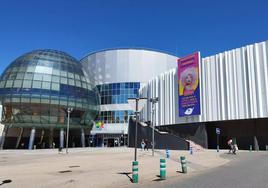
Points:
x=188, y=79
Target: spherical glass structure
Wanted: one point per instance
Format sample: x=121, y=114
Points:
x=38, y=87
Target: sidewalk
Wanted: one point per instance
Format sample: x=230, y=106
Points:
x=96, y=167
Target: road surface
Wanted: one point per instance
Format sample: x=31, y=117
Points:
x=247, y=170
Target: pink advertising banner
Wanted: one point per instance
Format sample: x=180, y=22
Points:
x=188, y=82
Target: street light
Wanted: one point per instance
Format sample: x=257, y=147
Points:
x=69, y=110
x=136, y=107
x=153, y=101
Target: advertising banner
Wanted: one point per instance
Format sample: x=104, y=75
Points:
x=189, y=90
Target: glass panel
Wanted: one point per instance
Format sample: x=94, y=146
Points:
x=17, y=83
x=55, y=86
x=77, y=76
x=70, y=75
x=31, y=69
x=63, y=80
x=55, y=79
x=44, y=100
x=46, y=85
x=2, y=84
x=54, y=101
x=28, y=76
x=38, y=76
x=84, y=85
x=43, y=69
x=26, y=100
x=37, y=84
x=77, y=83
x=20, y=76
x=15, y=99
x=22, y=69
x=63, y=73
x=63, y=102
x=35, y=100
x=47, y=77
x=56, y=72
x=27, y=84
x=9, y=83
x=71, y=82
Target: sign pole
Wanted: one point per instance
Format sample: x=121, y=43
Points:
x=218, y=132
x=218, y=148
x=136, y=129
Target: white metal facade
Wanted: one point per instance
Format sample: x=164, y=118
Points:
x=125, y=65
x=233, y=85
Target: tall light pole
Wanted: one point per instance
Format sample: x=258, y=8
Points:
x=136, y=104
x=153, y=101
x=69, y=110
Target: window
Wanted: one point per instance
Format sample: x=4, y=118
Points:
x=47, y=77
x=17, y=83
x=56, y=79
x=46, y=85
x=77, y=83
x=77, y=76
x=28, y=76
x=20, y=76
x=38, y=76
x=27, y=84
x=30, y=69
x=71, y=82
x=70, y=75
x=55, y=86
x=56, y=72
x=63, y=80
x=37, y=84
x=2, y=84
x=63, y=73
x=43, y=69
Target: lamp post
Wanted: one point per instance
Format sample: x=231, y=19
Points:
x=153, y=101
x=134, y=104
x=69, y=110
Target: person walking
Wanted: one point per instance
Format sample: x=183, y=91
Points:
x=230, y=144
x=146, y=145
x=142, y=145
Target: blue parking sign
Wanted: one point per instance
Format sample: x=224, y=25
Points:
x=218, y=131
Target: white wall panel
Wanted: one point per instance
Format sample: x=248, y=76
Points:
x=127, y=65
x=233, y=85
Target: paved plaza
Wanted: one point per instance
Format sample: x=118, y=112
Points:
x=98, y=167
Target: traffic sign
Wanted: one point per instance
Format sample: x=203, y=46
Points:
x=218, y=131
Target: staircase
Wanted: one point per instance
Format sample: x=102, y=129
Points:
x=196, y=147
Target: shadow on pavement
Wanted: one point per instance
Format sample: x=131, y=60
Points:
x=158, y=179
x=126, y=174
x=74, y=166
x=64, y=171
x=5, y=181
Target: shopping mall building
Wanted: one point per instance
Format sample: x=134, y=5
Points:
x=233, y=97
x=38, y=88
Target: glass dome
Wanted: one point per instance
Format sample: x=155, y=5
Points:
x=38, y=87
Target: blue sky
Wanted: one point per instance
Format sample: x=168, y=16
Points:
x=176, y=26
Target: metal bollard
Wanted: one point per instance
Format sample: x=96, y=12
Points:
x=167, y=153
x=191, y=150
x=266, y=147
x=250, y=148
x=183, y=165
x=135, y=175
x=162, y=169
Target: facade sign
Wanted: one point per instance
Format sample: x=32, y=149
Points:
x=189, y=90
